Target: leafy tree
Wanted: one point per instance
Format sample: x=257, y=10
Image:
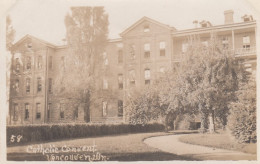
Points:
x=87, y=30
x=211, y=80
x=242, y=118
x=10, y=33
x=204, y=82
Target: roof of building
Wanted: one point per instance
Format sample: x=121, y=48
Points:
x=33, y=37
x=149, y=20
x=223, y=27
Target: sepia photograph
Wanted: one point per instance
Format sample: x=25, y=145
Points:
x=128, y=81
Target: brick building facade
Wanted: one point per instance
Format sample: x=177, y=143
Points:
x=145, y=50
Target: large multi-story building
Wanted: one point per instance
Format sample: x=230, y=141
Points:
x=145, y=50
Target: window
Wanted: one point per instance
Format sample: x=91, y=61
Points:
x=184, y=47
x=147, y=50
x=147, y=76
x=28, y=63
x=104, y=107
x=16, y=85
x=62, y=108
x=105, y=84
x=162, y=48
x=28, y=85
x=146, y=28
x=120, y=56
x=16, y=109
x=225, y=42
x=49, y=111
x=120, y=108
x=17, y=65
x=50, y=62
x=26, y=112
x=50, y=85
x=132, y=51
x=120, y=81
x=162, y=69
x=29, y=45
x=38, y=111
x=246, y=42
x=132, y=77
x=39, y=64
x=76, y=113
x=39, y=84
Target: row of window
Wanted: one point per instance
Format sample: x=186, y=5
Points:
x=28, y=85
x=132, y=78
x=119, y=108
x=28, y=63
x=27, y=109
x=224, y=41
x=147, y=50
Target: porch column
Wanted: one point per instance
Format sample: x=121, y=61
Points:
x=233, y=40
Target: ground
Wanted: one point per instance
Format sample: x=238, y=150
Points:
x=172, y=144
x=220, y=139
x=158, y=146
x=129, y=147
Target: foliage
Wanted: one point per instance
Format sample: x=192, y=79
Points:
x=33, y=133
x=10, y=33
x=242, y=118
x=204, y=82
x=87, y=29
x=143, y=106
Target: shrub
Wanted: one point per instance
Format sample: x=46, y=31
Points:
x=242, y=118
x=35, y=133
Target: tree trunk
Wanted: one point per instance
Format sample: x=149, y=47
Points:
x=166, y=123
x=211, y=122
x=204, y=121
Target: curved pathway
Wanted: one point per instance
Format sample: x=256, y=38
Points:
x=171, y=144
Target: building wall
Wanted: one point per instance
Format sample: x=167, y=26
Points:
x=21, y=98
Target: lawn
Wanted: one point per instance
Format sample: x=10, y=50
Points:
x=128, y=147
x=221, y=139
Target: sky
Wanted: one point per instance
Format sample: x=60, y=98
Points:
x=45, y=18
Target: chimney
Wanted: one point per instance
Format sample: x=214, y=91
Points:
x=195, y=22
x=229, y=16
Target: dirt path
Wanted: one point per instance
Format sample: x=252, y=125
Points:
x=172, y=144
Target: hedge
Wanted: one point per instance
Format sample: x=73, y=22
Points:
x=35, y=133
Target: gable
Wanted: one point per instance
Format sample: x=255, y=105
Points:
x=146, y=26
x=30, y=41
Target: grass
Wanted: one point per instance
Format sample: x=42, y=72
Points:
x=221, y=140
x=128, y=147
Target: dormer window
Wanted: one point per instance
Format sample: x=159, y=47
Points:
x=146, y=28
x=205, y=23
x=247, y=18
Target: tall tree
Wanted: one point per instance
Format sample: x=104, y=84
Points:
x=87, y=30
x=10, y=33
